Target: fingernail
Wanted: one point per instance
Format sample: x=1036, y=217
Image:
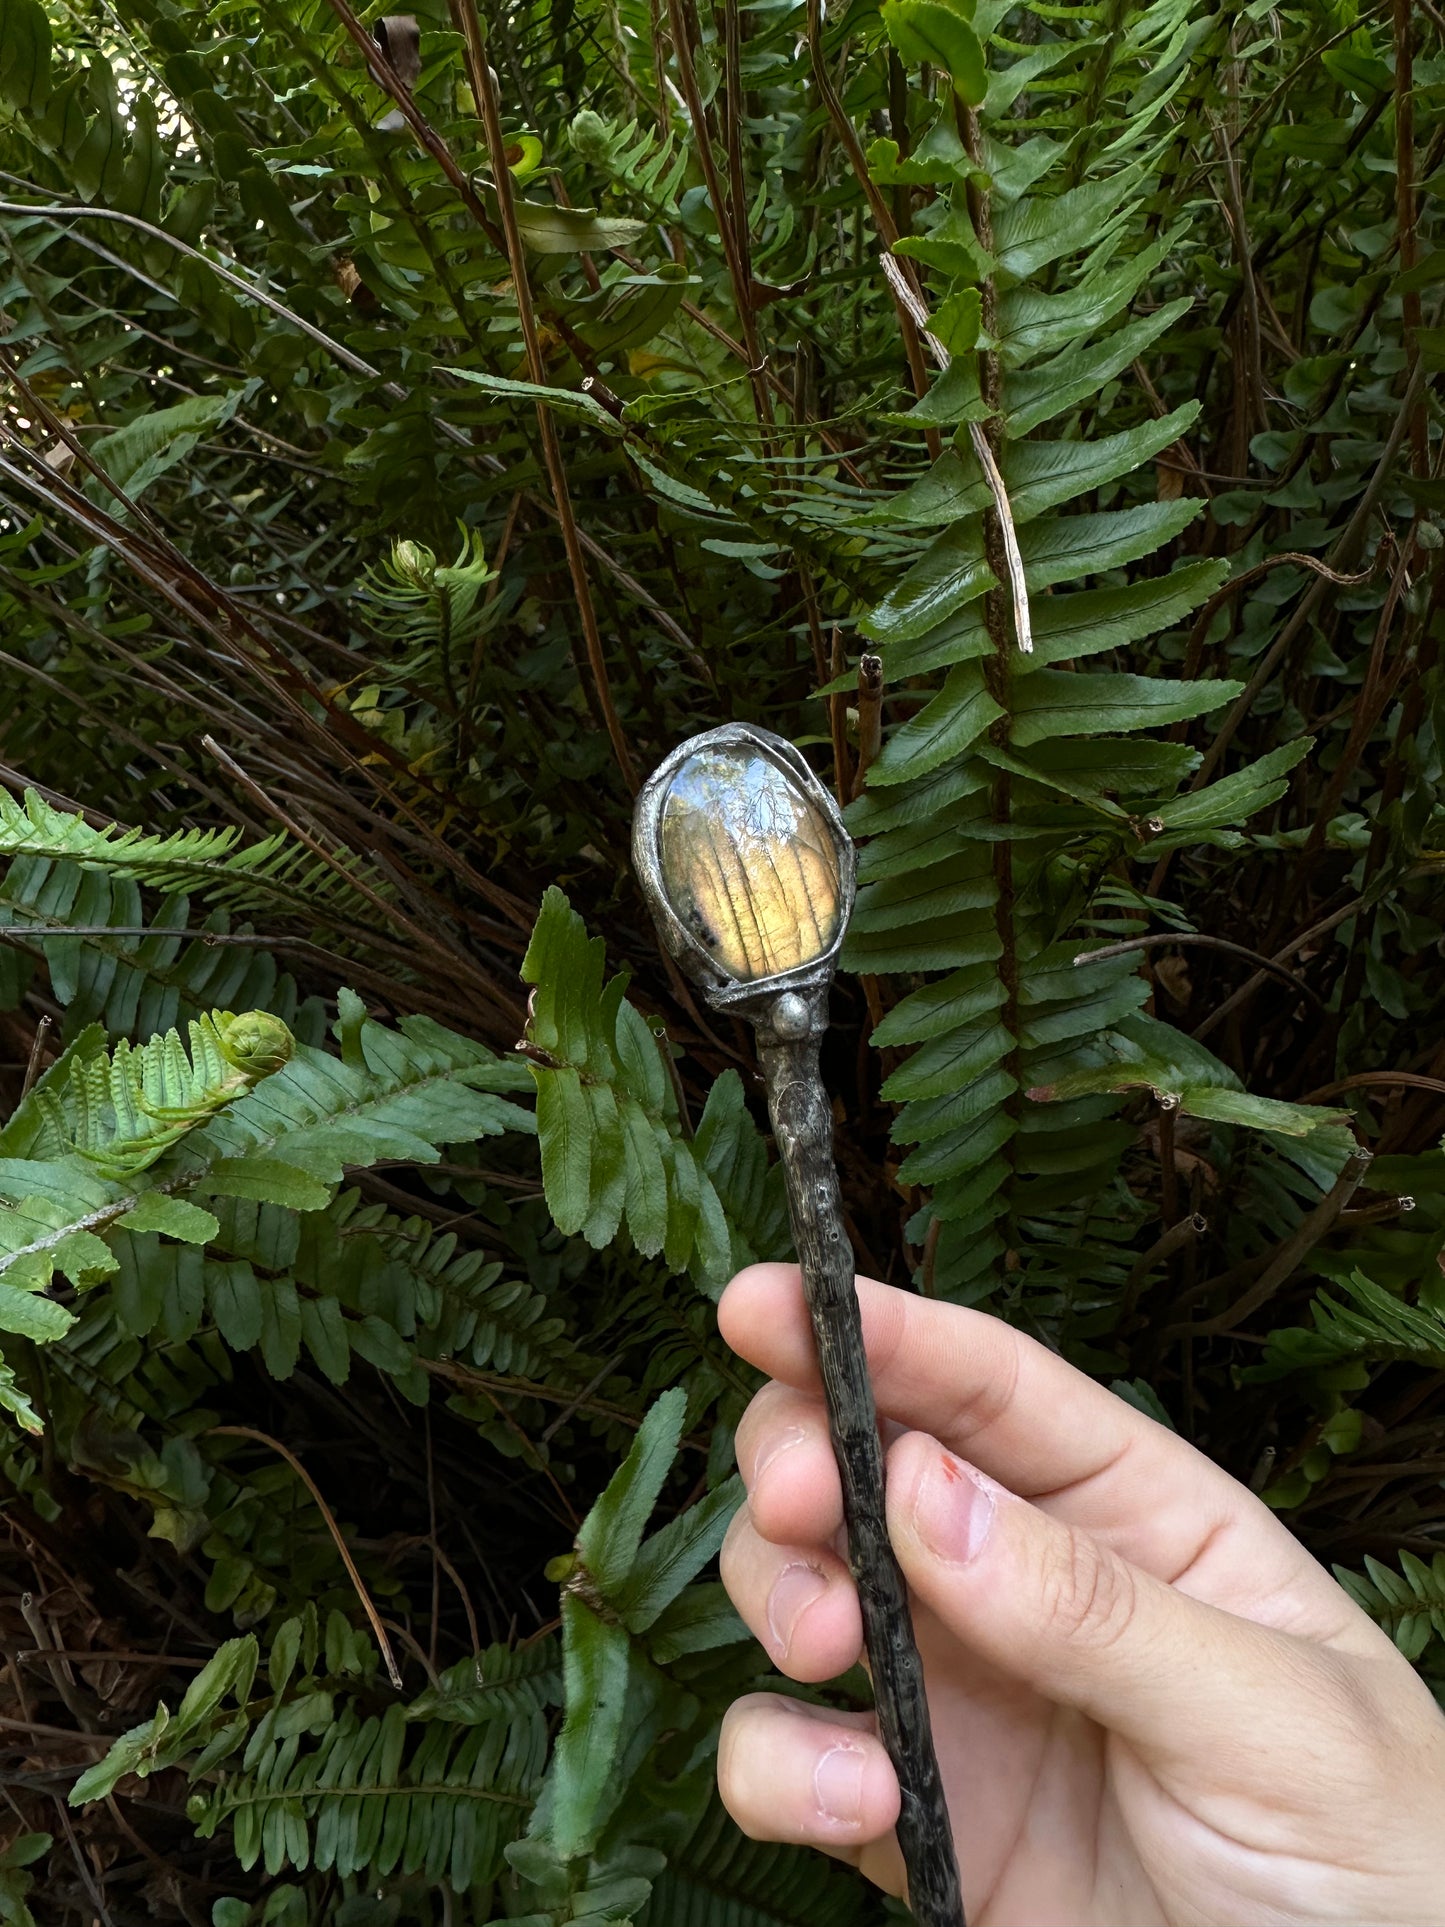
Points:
x=783, y=1441
x=794, y=1590
x=953, y=1511
x=838, y=1783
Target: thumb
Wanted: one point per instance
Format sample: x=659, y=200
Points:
x=1051, y=1606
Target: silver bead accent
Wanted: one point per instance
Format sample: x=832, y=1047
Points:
x=791, y=1017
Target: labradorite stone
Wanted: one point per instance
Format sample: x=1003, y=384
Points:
x=749, y=863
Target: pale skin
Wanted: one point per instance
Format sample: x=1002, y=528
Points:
x=1152, y=1707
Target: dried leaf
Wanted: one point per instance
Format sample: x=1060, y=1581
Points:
x=399, y=39
x=1172, y=976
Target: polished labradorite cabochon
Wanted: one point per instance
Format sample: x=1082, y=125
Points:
x=749, y=862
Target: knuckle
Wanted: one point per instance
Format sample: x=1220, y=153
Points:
x=730, y=1559
x=752, y=1423
x=988, y=1397
x=1089, y=1597
x=992, y=1399
x=727, y=1760
x=774, y=1413
x=738, y=1743
x=1351, y=1697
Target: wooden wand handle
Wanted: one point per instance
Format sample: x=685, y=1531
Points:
x=788, y=1039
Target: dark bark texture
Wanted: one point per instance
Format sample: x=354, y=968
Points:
x=803, y=1125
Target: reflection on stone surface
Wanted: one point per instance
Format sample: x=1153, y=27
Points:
x=749, y=863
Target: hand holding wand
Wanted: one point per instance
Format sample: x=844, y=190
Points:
x=749, y=874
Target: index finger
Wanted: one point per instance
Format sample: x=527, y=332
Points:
x=1030, y=1420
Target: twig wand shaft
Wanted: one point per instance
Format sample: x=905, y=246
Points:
x=803, y=1126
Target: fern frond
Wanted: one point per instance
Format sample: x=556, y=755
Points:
x=91, y=1126
x=1373, y=1327
x=351, y=1281
x=214, y=863
x=1001, y=808
x=134, y=973
x=122, y=1111
x=320, y=1782
x=431, y=608
x=614, y=1149
x=1409, y=1604
x=127, y=1140
x=392, y=1094
x=648, y=166
x=626, y=1601
x=727, y=1880
x=361, y=1801
x=35, y=828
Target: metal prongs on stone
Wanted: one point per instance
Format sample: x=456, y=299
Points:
x=749, y=873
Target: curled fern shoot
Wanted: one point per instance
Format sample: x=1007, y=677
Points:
x=121, y=1111
x=433, y=611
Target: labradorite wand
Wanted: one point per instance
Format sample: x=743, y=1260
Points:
x=749, y=873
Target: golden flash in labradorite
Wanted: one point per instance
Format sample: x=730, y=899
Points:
x=749, y=864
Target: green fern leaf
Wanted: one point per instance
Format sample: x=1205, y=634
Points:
x=616, y=1588
x=1409, y=1604
x=105, y=1142
x=1003, y=802
x=1144, y=1054
x=212, y=862
x=122, y=1112
x=613, y=1146
x=35, y=828
x=722, y=1878
x=1372, y=1326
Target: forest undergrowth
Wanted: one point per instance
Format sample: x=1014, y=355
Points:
x=413, y=426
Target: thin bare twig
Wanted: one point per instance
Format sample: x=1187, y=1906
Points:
x=37, y=1048
x=1246, y=990
x=878, y=206
x=1362, y=1080
x=285, y=1452
x=1289, y=1253
x=387, y=911
x=992, y=474
x=41, y=1731
x=479, y=72
x=870, y=717
x=102, y=1657
x=1287, y=558
x=1341, y=557
x=1405, y=216
x=730, y=218
x=1164, y=939
x=1369, y=704
x=1181, y=1233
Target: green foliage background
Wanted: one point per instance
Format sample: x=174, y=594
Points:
x=405, y=441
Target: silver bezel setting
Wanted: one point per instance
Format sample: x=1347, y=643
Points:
x=723, y=990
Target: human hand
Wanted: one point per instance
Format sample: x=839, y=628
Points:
x=1150, y=1704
